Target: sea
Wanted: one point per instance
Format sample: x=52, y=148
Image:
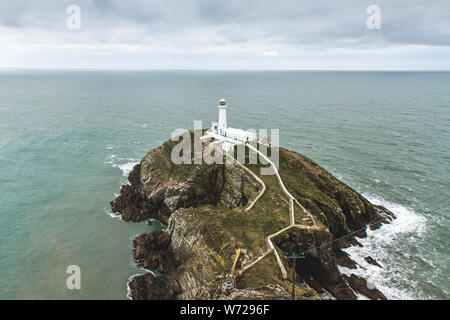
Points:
x=69, y=138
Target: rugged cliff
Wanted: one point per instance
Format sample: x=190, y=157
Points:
x=203, y=206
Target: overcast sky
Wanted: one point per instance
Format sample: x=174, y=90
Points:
x=223, y=34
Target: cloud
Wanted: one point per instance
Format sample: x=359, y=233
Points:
x=220, y=30
x=269, y=53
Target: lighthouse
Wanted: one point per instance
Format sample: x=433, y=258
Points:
x=229, y=136
x=222, y=122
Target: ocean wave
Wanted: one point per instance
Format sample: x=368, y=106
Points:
x=109, y=212
x=390, y=246
x=132, y=277
x=124, y=164
x=127, y=167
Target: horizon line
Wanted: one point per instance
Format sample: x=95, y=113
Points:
x=231, y=69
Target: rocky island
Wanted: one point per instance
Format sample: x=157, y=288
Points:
x=213, y=235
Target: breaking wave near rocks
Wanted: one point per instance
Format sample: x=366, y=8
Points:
x=393, y=247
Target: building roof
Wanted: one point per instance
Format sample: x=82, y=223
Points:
x=238, y=132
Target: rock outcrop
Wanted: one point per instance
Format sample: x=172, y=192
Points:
x=203, y=206
x=158, y=187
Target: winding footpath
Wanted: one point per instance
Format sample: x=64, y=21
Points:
x=271, y=248
x=291, y=216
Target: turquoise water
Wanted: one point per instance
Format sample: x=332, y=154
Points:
x=69, y=138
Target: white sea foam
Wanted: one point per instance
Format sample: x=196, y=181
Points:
x=127, y=167
x=110, y=159
x=388, y=246
x=109, y=212
x=360, y=296
x=124, y=164
x=131, y=278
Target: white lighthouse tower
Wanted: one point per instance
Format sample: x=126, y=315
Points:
x=228, y=136
x=222, y=123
